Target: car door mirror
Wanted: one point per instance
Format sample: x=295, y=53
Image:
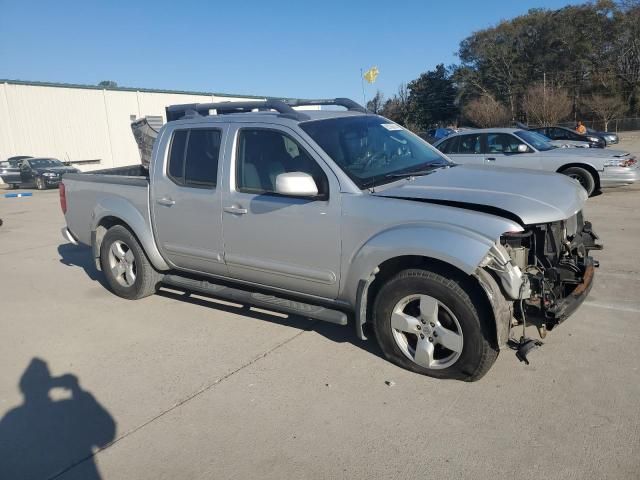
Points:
x=298, y=184
x=522, y=148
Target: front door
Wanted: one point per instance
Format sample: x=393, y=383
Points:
x=502, y=151
x=276, y=240
x=26, y=174
x=186, y=200
x=467, y=149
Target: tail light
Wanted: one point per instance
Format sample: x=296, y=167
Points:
x=63, y=198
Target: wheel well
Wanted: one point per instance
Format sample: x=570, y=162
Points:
x=101, y=229
x=393, y=266
x=589, y=168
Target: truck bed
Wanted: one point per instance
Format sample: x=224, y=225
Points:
x=91, y=195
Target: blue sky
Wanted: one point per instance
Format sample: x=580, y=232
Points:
x=278, y=48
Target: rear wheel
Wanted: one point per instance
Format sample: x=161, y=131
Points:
x=583, y=177
x=429, y=324
x=129, y=273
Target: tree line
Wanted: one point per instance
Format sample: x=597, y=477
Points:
x=577, y=62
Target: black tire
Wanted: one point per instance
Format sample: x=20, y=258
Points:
x=147, y=278
x=583, y=176
x=479, y=351
x=40, y=185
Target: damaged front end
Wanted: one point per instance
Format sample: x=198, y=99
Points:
x=545, y=269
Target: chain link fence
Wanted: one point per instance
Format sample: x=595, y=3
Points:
x=615, y=125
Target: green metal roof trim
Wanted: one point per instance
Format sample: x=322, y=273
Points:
x=130, y=89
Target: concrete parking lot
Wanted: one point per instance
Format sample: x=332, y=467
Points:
x=174, y=387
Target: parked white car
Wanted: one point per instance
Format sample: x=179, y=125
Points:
x=512, y=147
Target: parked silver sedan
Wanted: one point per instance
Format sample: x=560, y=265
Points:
x=511, y=147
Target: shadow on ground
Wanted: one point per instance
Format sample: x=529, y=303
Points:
x=43, y=437
x=80, y=256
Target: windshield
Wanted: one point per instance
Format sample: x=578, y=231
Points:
x=371, y=149
x=535, y=139
x=45, y=163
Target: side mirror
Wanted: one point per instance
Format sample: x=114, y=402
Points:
x=522, y=148
x=298, y=184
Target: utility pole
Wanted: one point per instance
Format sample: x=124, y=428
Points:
x=544, y=96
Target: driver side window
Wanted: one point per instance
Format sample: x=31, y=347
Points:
x=502, y=143
x=264, y=154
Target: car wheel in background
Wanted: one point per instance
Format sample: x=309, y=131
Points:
x=583, y=177
x=427, y=323
x=125, y=265
x=40, y=185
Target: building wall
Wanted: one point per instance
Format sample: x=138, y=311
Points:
x=75, y=123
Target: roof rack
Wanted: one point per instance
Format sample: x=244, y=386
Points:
x=176, y=112
x=341, y=102
x=285, y=108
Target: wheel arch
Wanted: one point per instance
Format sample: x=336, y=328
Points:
x=138, y=229
x=472, y=284
x=590, y=168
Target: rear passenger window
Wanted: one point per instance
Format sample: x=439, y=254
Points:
x=193, y=160
x=176, y=156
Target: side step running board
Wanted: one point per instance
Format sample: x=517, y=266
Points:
x=256, y=299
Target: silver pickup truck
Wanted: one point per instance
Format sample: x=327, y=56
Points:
x=342, y=216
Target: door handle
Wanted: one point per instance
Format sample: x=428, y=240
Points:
x=167, y=202
x=490, y=159
x=236, y=210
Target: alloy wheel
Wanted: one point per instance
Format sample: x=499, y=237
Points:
x=426, y=331
x=122, y=263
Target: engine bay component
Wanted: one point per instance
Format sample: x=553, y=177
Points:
x=554, y=257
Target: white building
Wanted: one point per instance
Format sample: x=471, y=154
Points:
x=80, y=123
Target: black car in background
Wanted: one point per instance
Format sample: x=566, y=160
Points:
x=564, y=133
x=610, y=137
x=43, y=173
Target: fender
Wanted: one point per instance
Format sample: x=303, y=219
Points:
x=126, y=212
x=455, y=245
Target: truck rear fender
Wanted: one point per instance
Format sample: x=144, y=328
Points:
x=111, y=211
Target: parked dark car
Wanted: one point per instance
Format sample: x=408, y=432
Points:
x=610, y=138
x=9, y=173
x=564, y=133
x=43, y=173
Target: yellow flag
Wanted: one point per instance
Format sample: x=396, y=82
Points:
x=371, y=74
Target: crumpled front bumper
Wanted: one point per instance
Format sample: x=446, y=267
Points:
x=564, y=308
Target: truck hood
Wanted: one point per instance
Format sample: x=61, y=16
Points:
x=528, y=196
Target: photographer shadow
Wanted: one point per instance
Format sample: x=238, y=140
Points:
x=43, y=438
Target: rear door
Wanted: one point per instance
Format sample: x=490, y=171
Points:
x=185, y=199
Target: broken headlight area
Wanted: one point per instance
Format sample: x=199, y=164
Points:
x=554, y=259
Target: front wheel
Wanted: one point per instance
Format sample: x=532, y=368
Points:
x=40, y=185
x=429, y=324
x=129, y=273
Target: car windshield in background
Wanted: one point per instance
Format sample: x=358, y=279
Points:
x=45, y=163
x=535, y=139
x=372, y=150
